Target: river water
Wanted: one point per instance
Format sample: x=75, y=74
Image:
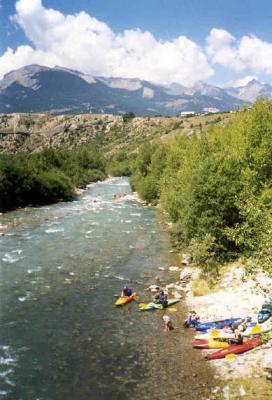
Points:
x=61, y=337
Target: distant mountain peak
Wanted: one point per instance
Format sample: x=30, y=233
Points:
x=35, y=88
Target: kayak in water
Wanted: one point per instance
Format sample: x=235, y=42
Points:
x=157, y=306
x=247, y=345
x=210, y=344
x=122, y=300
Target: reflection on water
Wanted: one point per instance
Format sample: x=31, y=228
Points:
x=60, y=335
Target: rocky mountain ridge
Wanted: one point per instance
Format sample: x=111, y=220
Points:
x=58, y=90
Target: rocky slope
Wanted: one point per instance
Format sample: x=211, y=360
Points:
x=32, y=132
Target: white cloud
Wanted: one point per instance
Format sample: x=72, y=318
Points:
x=249, y=52
x=240, y=82
x=82, y=42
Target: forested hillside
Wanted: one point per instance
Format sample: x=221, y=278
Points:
x=216, y=188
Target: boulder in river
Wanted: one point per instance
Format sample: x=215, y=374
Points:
x=185, y=260
x=173, y=268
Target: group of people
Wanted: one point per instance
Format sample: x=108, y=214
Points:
x=193, y=318
x=160, y=298
x=235, y=328
x=238, y=329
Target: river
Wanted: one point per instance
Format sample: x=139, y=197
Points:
x=61, y=337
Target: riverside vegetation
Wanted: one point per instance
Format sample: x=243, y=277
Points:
x=43, y=158
x=216, y=188
x=213, y=176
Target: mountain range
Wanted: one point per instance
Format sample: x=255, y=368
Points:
x=59, y=90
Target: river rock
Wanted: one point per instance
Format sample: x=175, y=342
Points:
x=189, y=273
x=185, y=275
x=153, y=288
x=170, y=286
x=177, y=295
x=185, y=260
x=173, y=268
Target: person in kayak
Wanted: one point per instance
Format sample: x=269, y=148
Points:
x=238, y=337
x=126, y=291
x=168, y=326
x=161, y=298
x=192, y=320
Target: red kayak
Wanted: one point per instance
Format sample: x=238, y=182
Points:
x=247, y=345
x=209, y=344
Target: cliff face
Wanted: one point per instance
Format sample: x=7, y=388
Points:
x=32, y=132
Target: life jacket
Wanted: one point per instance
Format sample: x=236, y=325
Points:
x=127, y=292
x=163, y=298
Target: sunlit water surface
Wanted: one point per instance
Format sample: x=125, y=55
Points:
x=61, y=337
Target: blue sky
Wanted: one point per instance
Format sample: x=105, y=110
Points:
x=233, y=38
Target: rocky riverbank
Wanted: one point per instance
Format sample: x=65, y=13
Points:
x=235, y=294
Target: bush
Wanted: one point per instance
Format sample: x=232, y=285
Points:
x=127, y=117
x=48, y=176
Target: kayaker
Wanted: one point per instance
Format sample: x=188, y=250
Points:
x=161, y=298
x=126, y=291
x=192, y=320
x=238, y=337
x=243, y=325
x=168, y=326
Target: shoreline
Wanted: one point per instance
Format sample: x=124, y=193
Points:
x=235, y=294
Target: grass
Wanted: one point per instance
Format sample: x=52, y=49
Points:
x=200, y=287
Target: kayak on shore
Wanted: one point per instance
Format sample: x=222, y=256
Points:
x=223, y=334
x=157, y=306
x=216, y=324
x=122, y=300
x=265, y=312
x=247, y=345
x=210, y=344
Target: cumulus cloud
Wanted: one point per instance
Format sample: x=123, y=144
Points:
x=249, y=52
x=82, y=42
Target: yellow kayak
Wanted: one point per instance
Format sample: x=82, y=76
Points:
x=122, y=300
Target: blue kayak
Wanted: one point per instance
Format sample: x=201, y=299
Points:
x=216, y=324
x=264, y=314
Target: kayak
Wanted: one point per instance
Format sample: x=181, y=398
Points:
x=248, y=344
x=216, y=324
x=222, y=334
x=156, y=306
x=122, y=300
x=264, y=314
x=209, y=344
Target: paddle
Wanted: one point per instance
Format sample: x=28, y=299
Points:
x=230, y=356
x=215, y=333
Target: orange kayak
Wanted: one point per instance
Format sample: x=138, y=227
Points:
x=122, y=300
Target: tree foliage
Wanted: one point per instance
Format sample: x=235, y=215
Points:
x=48, y=176
x=217, y=188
